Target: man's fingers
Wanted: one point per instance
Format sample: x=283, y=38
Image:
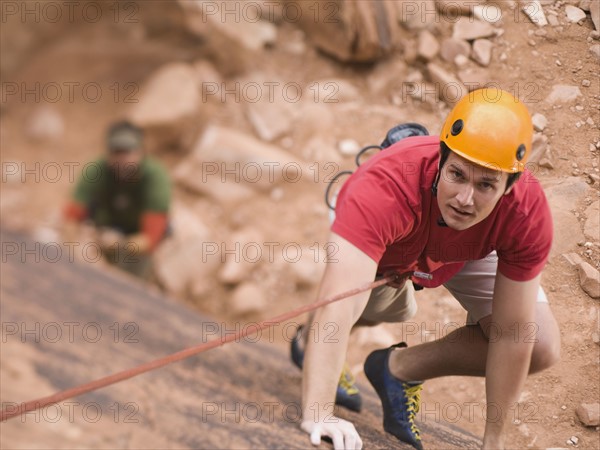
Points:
x=350, y=441
x=359, y=443
x=315, y=436
x=338, y=439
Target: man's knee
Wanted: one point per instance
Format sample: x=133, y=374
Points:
x=546, y=353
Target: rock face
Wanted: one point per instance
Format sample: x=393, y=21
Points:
x=350, y=31
x=187, y=404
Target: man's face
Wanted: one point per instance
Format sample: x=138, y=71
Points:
x=125, y=164
x=467, y=193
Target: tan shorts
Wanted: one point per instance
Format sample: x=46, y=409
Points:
x=473, y=287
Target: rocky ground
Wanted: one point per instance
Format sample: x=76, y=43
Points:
x=253, y=117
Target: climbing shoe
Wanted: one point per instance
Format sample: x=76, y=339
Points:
x=347, y=394
x=401, y=400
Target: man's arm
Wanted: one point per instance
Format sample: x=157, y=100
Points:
x=509, y=352
x=328, y=335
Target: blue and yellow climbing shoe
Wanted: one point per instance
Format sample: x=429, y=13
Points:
x=401, y=400
x=347, y=394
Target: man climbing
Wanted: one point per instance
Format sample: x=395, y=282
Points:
x=126, y=196
x=463, y=209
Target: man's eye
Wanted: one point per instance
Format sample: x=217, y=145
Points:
x=456, y=174
x=485, y=186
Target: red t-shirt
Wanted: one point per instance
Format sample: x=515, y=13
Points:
x=387, y=209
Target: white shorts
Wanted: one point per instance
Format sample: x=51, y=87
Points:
x=473, y=287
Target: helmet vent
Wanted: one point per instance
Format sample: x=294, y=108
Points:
x=457, y=127
x=520, y=152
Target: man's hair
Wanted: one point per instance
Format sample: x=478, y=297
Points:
x=124, y=135
x=445, y=152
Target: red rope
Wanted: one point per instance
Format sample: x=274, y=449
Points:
x=33, y=405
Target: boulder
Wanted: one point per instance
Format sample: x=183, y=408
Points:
x=448, y=87
x=589, y=414
x=207, y=74
x=592, y=224
x=469, y=29
x=227, y=27
x=247, y=298
x=333, y=90
x=453, y=8
x=188, y=256
x=488, y=13
x=533, y=9
x=474, y=77
x=348, y=147
x=589, y=278
x=595, y=13
x=228, y=165
x=574, y=14
x=539, y=147
x=539, y=122
x=452, y=47
x=309, y=268
x=416, y=15
x=168, y=105
x=244, y=253
x=387, y=76
x=350, y=31
x=563, y=196
x=44, y=124
x=428, y=46
x=562, y=93
x=482, y=51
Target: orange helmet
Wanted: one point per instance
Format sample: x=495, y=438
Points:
x=491, y=128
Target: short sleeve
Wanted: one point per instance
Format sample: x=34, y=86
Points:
x=372, y=213
x=89, y=182
x=157, y=197
x=524, y=253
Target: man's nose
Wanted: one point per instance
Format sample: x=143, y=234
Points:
x=465, y=195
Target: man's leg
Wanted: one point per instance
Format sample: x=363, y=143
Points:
x=464, y=351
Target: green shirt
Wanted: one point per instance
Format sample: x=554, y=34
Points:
x=120, y=204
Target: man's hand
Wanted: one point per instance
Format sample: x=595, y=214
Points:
x=110, y=239
x=342, y=433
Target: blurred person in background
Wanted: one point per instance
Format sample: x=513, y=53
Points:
x=126, y=196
